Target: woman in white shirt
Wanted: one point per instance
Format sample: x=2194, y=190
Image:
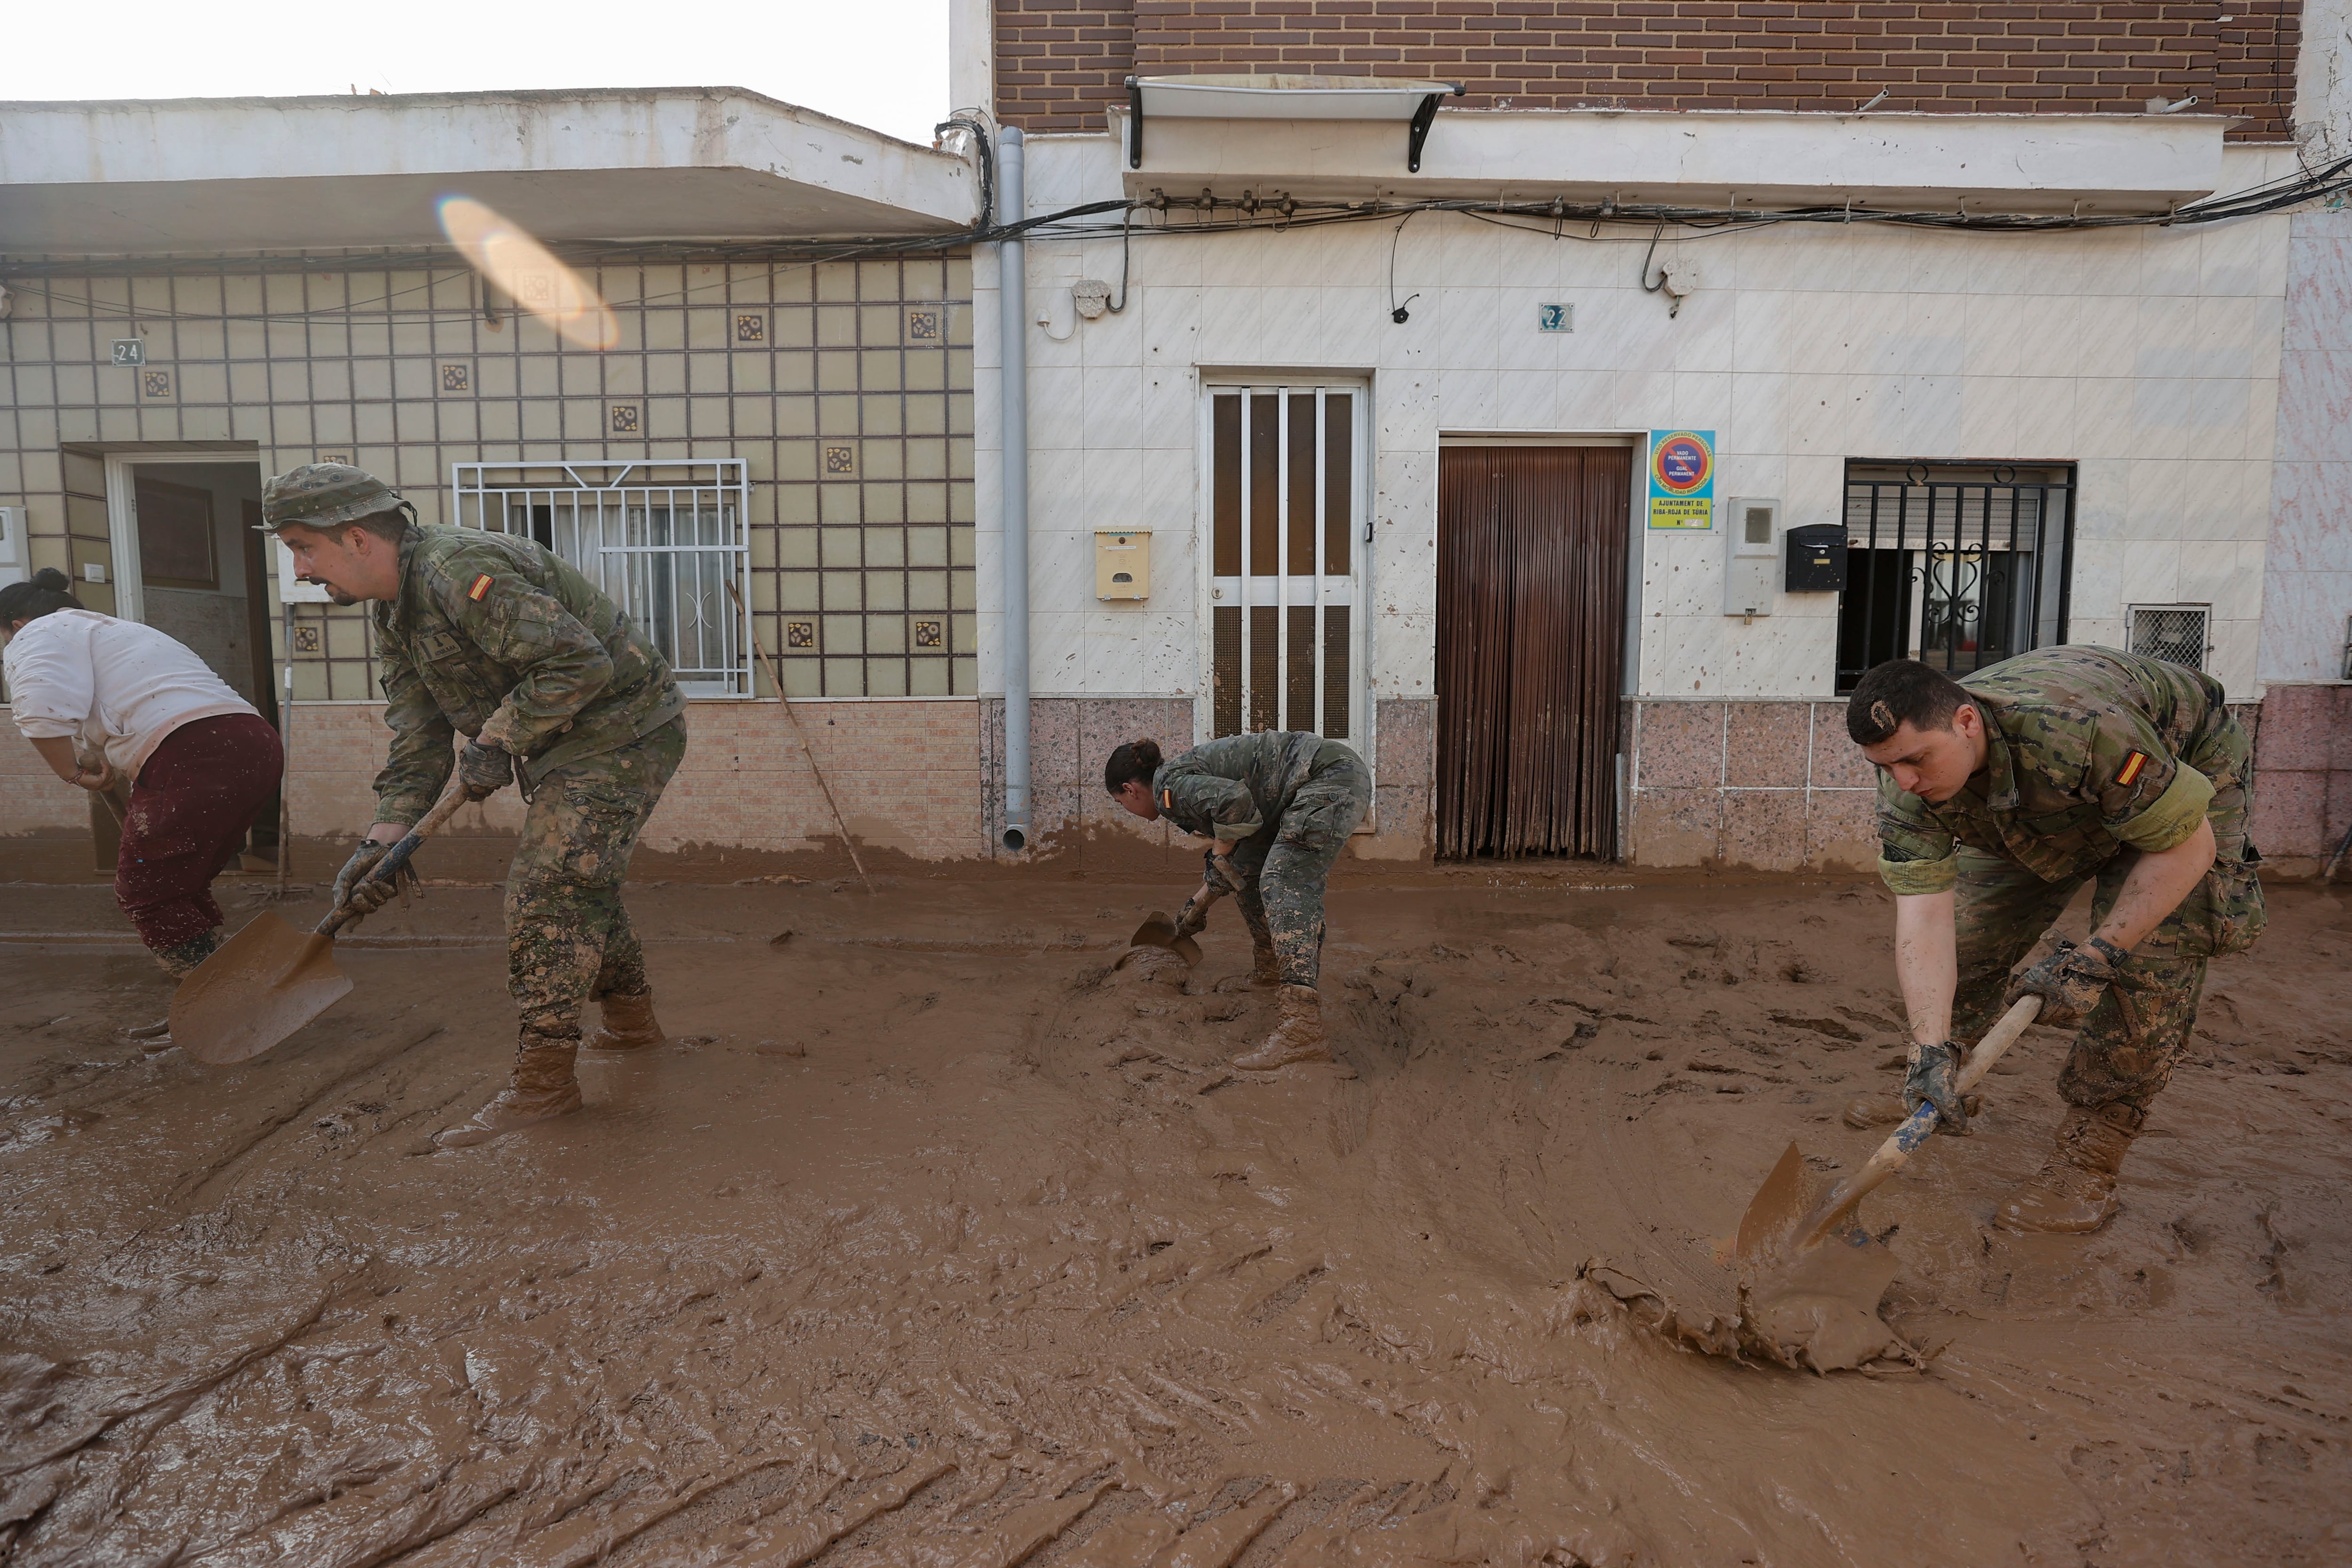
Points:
x=103, y=699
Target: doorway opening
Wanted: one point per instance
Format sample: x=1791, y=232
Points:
x=189, y=562
x=1532, y=544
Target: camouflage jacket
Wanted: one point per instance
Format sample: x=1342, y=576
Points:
x=2089, y=750
x=1237, y=788
x=492, y=636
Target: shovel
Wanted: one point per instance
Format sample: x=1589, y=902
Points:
x=1810, y=1282
x=269, y=979
x=1779, y=1226
x=1159, y=931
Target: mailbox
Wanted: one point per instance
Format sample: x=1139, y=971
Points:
x=1816, y=558
x=1122, y=563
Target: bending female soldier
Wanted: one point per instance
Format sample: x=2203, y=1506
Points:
x=1279, y=804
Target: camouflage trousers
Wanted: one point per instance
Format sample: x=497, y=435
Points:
x=568, y=937
x=1277, y=876
x=2124, y=1051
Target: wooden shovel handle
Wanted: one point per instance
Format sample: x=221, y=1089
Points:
x=397, y=856
x=1916, y=1127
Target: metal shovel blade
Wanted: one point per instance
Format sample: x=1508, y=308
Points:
x=1785, y=1198
x=1159, y=931
x=257, y=987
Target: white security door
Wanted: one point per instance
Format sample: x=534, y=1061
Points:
x=1286, y=504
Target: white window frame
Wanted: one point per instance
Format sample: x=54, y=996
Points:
x=1283, y=591
x=603, y=491
x=130, y=580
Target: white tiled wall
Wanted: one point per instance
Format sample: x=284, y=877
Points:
x=2307, y=596
x=2147, y=356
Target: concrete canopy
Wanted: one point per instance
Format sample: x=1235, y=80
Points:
x=667, y=164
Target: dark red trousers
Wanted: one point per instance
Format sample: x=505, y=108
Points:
x=190, y=808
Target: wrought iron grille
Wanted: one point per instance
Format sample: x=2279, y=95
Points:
x=663, y=539
x=2173, y=633
x=1956, y=565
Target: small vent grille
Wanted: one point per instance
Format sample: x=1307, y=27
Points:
x=2173, y=633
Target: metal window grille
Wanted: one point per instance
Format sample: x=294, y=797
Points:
x=662, y=539
x=1285, y=510
x=2175, y=633
x=1957, y=565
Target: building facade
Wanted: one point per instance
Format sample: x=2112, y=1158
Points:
x=1563, y=404
x=797, y=428
x=2116, y=432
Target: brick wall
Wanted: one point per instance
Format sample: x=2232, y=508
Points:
x=1059, y=66
x=1060, y=62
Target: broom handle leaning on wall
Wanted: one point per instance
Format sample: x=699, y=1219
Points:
x=776, y=674
x=285, y=762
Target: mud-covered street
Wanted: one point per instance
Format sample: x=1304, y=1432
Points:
x=934, y=1240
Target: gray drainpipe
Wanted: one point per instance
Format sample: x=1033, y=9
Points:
x=1012, y=398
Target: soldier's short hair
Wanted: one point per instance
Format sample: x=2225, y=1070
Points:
x=1900, y=692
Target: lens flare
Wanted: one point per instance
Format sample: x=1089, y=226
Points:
x=524, y=270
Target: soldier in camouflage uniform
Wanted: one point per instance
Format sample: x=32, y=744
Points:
x=1999, y=796
x=491, y=636
x=1280, y=806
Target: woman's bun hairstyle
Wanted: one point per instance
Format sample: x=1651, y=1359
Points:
x=49, y=590
x=1139, y=758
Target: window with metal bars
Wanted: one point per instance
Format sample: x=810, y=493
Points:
x=2174, y=633
x=662, y=539
x=1957, y=565
x=1286, y=513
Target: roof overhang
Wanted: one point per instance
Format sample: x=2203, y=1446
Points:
x=659, y=164
x=1286, y=97
x=2103, y=164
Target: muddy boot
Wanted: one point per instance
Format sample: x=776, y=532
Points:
x=1265, y=969
x=1297, y=1038
x=2074, y=1190
x=629, y=1024
x=1869, y=1111
x=543, y=1089
x=180, y=958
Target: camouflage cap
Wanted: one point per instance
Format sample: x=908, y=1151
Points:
x=324, y=496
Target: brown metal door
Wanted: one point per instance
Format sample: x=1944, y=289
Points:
x=1530, y=636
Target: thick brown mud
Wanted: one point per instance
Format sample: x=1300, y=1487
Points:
x=935, y=1240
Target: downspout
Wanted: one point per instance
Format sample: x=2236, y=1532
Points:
x=1013, y=399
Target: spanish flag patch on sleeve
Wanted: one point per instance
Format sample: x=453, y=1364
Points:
x=481, y=589
x=2128, y=774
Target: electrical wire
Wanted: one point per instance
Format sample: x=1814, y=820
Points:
x=1398, y=313
x=1544, y=218
x=1126, y=242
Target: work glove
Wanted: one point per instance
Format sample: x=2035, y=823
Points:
x=2070, y=981
x=1217, y=877
x=354, y=890
x=1932, y=1081
x=485, y=770
x=1194, y=918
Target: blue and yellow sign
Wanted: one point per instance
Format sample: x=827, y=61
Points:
x=1682, y=479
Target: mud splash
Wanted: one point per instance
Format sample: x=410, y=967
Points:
x=937, y=1240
